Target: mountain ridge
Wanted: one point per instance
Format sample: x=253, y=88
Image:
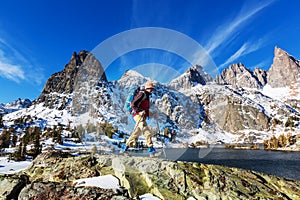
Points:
x=231, y=109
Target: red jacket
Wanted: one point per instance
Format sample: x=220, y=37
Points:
x=140, y=103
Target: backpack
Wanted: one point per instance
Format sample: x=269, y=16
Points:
x=133, y=90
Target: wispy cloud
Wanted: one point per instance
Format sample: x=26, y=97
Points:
x=15, y=66
x=245, y=49
x=265, y=64
x=12, y=72
x=7, y=69
x=226, y=31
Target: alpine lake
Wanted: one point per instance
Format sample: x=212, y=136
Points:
x=279, y=163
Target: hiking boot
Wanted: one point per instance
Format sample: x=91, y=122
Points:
x=151, y=150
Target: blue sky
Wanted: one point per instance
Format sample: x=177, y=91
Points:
x=38, y=37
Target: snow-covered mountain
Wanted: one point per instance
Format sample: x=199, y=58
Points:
x=241, y=106
x=14, y=106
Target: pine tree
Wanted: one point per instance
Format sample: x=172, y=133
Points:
x=19, y=155
x=54, y=132
x=5, y=139
x=282, y=141
x=289, y=123
x=90, y=127
x=37, y=146
x=274, y=142
x=58, y=137
x=14, y=140
x=266, y=144
x=1, y=121
x=108, y=129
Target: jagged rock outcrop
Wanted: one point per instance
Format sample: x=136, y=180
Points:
x=11, y=185
x=63, y=82
x=54, y=190
x=207, y=78
x=57, y=90
x=190, y=78
x=139, y=175
x=79, y=84
x=89, y=87
x=20, y=103
x=82, y=88
x=261, y=76
x=238, y=75
x=284, y=70
x=131, y=77
x=15, y=105
x=232, y=112
x=176, y=109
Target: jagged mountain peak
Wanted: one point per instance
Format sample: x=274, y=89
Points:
x=203, y=73
x=285, y=69
x=238, y=75
x=63, y=81
x=193, y=76
x=78, y=58
x=184, y=105
x=261, y=75
x=132, y=73
x=82, y=71
x=279, y=52
x=237, y=69
x=15, y=105
x=132, y=77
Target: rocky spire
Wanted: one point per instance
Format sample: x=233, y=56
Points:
x=189, y=79
x=131, y=77
x=83, y=69
x=261, y=76
x=284, y=70
x=90, y=77
x=63, y=81
x=238, y=76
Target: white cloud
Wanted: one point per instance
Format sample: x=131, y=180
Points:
x=225, y=32
x=246, y=48
x=15, y=66
x=12, y=72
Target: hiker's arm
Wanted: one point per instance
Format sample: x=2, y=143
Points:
x=136, y=101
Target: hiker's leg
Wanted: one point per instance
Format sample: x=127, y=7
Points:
x=136, y=131
x=148, y=135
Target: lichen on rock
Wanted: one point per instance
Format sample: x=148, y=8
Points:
x=52, y=174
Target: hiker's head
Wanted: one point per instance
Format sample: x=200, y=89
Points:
x=149, y=87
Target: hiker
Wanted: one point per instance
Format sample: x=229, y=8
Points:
x=140, y=111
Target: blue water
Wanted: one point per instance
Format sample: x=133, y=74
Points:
x=283, y=164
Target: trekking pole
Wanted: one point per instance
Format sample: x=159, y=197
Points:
x=162, y=142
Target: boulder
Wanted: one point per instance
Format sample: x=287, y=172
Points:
x=139, y=175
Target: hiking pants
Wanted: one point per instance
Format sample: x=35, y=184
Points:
x=140, y=127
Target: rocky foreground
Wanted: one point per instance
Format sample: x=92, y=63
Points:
x=52, y=176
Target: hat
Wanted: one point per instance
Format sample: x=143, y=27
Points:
x=149, y=85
